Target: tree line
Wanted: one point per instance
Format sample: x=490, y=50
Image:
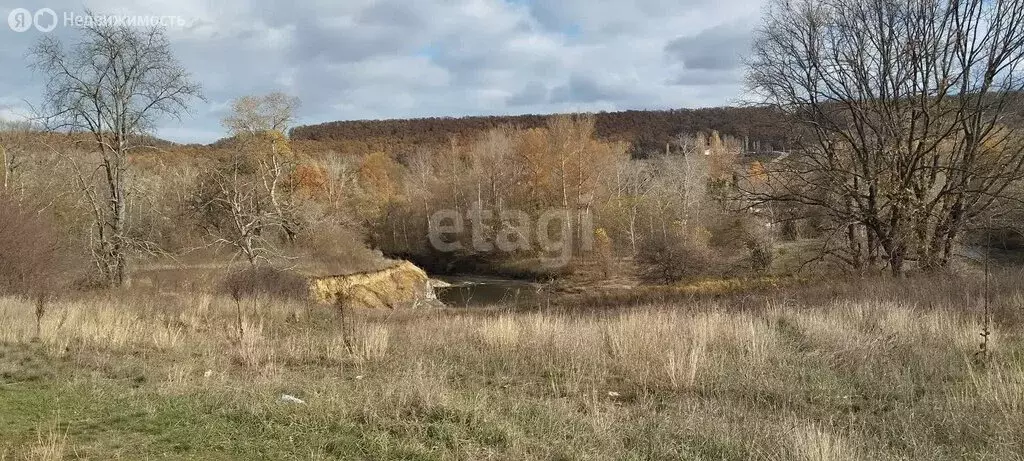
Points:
x=900, y=122
x=644, y=131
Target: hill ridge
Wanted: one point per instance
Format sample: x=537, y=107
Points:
x=645, y=130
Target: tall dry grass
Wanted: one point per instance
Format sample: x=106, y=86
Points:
x=772, y=377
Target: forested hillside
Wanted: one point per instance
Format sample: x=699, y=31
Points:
x=644, y=130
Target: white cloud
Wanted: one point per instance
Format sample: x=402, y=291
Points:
x=395, y=58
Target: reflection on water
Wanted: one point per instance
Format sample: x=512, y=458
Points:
x=470, y=291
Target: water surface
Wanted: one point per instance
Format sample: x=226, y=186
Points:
x=476, y=291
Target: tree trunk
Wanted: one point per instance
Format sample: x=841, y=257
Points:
x=896, y=262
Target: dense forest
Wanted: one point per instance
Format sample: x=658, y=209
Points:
x=644, y=130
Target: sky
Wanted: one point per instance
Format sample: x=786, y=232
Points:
x=374, y=59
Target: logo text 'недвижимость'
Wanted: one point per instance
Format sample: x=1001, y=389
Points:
x=46, y=20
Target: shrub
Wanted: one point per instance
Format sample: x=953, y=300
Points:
x=332, y=248
x=789, y=230
x=747, y=240
x=762, y=253
x=677, y=255
x=759, y=240
x=29, y=254
x=28, y=250
x=605, y=252
x=267, y=281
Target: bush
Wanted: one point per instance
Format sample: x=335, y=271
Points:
x=266, y=281
x=748, y=241
x=29, y=251
x=762, y=253
x=759, y=240
x=605, y=252
x=29, y=255
x=789, y=230
x=677, y=255
x=331, y=248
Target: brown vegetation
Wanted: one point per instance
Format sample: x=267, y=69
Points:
x=30, y=255
x=674, y=328
x=646, y=131
x=834, y=372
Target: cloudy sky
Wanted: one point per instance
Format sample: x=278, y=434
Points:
x=368, y=59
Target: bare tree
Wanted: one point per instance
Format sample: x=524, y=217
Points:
x=683, y=178
x=260, y=123
x=242, y=202
x=904, y=107
x=114, y=83
x=15, y=138
x=635, y=180
x=259, y=114
x=233, y=207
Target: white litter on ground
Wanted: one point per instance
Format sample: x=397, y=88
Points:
x=292, y=399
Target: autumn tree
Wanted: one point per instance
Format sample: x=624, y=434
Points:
x=583, y=167
x=647, y=131
x=605, y=252
x=232, y=205
x=114, y=83
x=380, y=175
x=634, y=184
x=251, y=197
x=722, y=157
x=260, y=125
x=380, y=180
x=539, y=164
x=685, y=175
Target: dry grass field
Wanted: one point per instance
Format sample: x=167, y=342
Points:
x=867, y=370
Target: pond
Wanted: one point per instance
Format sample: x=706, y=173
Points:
x=476, y=291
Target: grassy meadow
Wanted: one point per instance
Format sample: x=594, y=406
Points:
x=861, y=370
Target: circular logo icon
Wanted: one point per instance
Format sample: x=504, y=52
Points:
x=44, y=25
x=20, y=19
